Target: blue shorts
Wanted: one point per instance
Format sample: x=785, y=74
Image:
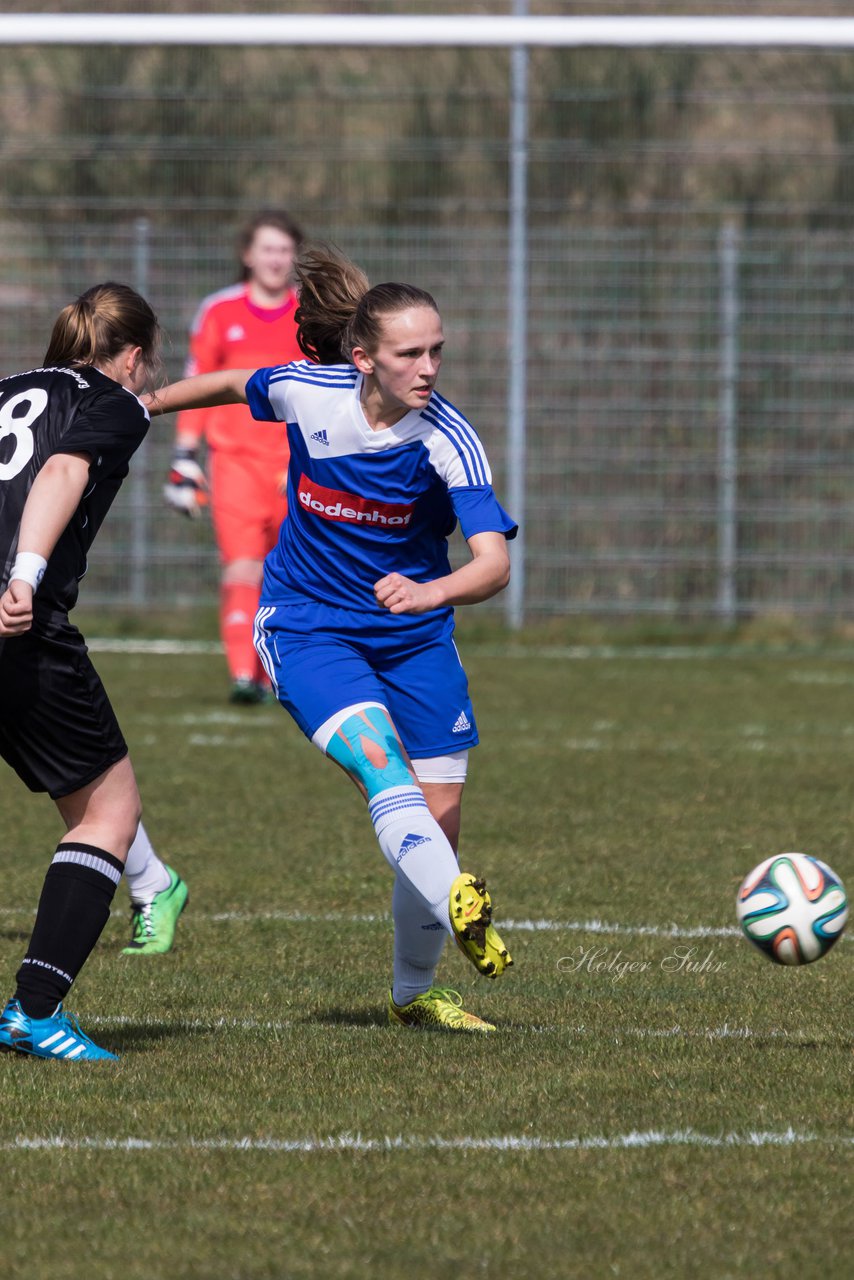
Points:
x=318, y=669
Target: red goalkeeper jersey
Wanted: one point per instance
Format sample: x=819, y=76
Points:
x=231, y=332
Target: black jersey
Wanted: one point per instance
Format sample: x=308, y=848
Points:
x=48, y=411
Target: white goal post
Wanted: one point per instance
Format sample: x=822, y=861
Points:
x=475, y=30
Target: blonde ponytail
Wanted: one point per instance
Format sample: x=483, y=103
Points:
x=102, y=321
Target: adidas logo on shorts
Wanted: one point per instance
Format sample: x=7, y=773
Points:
x=462, y=723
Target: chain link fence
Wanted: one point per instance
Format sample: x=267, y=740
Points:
x=690, y=264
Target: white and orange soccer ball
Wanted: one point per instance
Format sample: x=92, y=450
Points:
x=792, y=907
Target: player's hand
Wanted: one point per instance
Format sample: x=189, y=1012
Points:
x=401, y=595
x=16, y=608
x=187, y=489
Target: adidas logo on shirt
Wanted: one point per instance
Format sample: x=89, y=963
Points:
x=235, y=333
x=411, y=842
x=462, y=723
x=320, y=436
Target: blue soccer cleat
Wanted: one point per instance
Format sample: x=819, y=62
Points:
x=58, y=1036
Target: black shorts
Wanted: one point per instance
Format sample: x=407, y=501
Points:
x=57, y=728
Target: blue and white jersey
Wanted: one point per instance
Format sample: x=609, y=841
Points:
x=365, y=503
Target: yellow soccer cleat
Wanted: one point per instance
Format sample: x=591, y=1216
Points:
x=439, y=1008
x=470, y=908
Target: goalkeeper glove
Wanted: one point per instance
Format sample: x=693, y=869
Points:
x=187, y=488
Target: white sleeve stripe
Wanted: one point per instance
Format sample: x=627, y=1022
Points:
x=314, y=375
x=470, y=451
x=463, y=428
x=450, y=411
x=298, y=375
x=470, y=478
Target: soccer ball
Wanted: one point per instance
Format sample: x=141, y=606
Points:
x=792, y=907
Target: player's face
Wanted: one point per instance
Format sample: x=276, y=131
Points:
x=405, y=365
x=270, y=259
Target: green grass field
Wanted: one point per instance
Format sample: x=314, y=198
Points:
x=660, y=1100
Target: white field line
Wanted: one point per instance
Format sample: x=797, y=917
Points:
x=213, y=1025
x=572, y=652
x=590, y=927
x=165, y=648
x=345, y=1142
x=510, y=926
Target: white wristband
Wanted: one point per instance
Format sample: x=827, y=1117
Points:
x=28, y=567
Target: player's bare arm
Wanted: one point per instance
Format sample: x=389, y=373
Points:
x=51, y=503
x=204, y=391
x=487, y=573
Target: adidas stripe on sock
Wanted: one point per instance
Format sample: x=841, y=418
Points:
x=415, y=847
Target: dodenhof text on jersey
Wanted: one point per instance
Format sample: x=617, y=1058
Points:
x=333, y=504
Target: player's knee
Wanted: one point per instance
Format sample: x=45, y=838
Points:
x=366, y=745
x=244, y=572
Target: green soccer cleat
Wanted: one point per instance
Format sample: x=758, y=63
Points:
x=153, y=924
x=470, y=909
x=247, y=693
x=440, y=1008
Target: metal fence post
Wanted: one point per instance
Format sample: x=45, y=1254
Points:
x=727, y=486
x=140, y=549
x=517, y=319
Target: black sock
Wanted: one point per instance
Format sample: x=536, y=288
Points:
x=73, y=909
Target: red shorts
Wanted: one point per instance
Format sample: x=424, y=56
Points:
x=248, y=504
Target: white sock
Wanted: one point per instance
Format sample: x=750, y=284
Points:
x=416, y=848
x=418, y=944
x=145, y=874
